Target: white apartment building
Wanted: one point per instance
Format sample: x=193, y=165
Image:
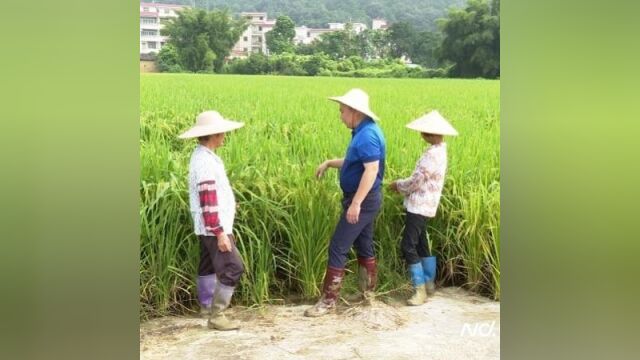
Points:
x=379, y=24
x=357, y=27
x=305, y=35
x=253, y=39
x=153, y=16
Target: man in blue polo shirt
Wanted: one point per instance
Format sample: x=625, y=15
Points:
x=361, y=174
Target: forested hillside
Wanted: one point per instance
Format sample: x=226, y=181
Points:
x=317, y=13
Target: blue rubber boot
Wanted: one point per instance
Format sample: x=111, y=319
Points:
x=418, y=280
x=429, y=266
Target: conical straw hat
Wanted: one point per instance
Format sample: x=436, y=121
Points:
x=432, y=123
x=356, y=99
x=209, y=123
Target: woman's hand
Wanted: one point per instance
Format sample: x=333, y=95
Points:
x=394, y=186
x=224, y=244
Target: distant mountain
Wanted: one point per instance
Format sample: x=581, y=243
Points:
x=317, y=13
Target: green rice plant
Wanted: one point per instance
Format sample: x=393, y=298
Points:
x=258, y=232
x=312, y=221
x=165, y=280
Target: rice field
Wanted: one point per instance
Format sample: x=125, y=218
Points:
x=286, y=216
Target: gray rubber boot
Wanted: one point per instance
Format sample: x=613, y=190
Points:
x=221, y=301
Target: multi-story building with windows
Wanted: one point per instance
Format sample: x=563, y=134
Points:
x=305, y=35
x=253, y=39
x=153, y=16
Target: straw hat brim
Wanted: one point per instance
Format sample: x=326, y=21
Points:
x=221, y=126
x=433, y=123
x=433, y=130
x=359, y=107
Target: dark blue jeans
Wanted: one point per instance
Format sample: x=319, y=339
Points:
x=359, y=234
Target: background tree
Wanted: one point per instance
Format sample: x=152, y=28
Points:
x=365, y=44
x=424, y=50
x=420, y=47
x=339, y=44
x=305, y=49
x=495, y=44
x=224, y=33
x=315, y=64
x=203, y=39
x=472, y=40
x=401, y=36
x=280, y=39
x=380, y=44
x=168, y=60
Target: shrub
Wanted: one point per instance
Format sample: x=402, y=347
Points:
x=168, y=60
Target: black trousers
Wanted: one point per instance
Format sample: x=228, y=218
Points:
x=226, y=265
x=414, y=239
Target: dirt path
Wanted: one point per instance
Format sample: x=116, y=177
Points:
x=454, y=324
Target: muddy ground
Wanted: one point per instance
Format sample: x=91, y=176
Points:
x=454, y=324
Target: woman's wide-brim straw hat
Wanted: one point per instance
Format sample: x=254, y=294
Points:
x=358, y=100
x=432, y=123
x=209, y=123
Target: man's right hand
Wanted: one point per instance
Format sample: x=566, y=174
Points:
x=321, y=169
x=224, y=244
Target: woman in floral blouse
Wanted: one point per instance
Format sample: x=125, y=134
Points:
x=422, y=193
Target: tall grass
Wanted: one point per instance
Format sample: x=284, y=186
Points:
x=286, y=217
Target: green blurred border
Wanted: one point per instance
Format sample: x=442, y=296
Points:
x=569, y=176
x=70, y=221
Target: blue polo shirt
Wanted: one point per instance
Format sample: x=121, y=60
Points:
x=367, y=144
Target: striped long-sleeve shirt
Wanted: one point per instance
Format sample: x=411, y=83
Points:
x=211, y=199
